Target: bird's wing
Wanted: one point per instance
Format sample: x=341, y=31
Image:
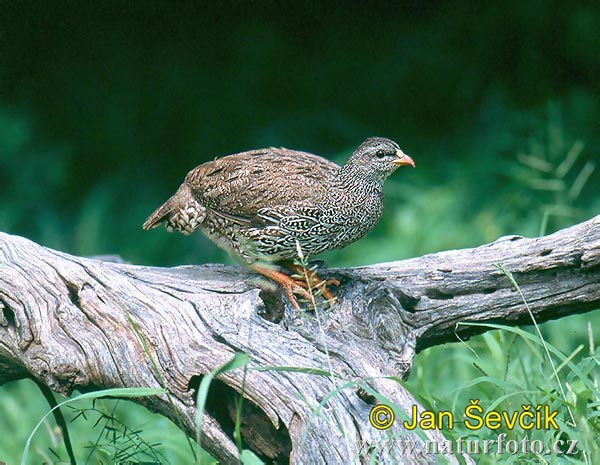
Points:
x=244, y=187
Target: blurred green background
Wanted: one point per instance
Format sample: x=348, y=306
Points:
x=104, y=109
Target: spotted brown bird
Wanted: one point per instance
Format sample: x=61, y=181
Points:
x=269, y=206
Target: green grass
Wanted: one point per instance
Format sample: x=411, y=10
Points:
x=98, y=434
x=508, y=368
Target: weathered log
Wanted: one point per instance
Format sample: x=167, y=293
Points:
x=67, y=322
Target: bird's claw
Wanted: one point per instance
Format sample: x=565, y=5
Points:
x=319, y=285
x=295, y=288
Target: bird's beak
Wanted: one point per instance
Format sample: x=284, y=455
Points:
x=403, y=159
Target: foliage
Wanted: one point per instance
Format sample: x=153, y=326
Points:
x=99, y=429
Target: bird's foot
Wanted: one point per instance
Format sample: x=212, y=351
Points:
x=309, y=279
x=319, y=285
x=289, y=285
x=322, y=286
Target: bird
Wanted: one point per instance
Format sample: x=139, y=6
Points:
x=270, y=208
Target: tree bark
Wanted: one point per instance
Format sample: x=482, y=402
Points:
x=67, y=322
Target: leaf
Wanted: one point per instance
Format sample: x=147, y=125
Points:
x=239, y=360
x=247, y=457
x=116, y=392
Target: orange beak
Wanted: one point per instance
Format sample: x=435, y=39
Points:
x=403, y=159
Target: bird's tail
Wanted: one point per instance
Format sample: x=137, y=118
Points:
x=162, y=213
x=182, y=212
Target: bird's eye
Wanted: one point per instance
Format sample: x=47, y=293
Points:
x=380, y=153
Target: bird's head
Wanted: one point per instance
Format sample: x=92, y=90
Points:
x=377, y=157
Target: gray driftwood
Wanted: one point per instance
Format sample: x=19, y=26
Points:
x=65, y=321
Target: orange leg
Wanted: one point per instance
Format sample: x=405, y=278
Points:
x=315, y=282
x=289, y=285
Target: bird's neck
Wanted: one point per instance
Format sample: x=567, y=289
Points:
x=360, y=197
x=359, y=179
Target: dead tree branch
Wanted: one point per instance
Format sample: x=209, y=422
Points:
x=66, y=321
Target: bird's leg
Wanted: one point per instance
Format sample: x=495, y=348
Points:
x=314, y=281
x=289, y=285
